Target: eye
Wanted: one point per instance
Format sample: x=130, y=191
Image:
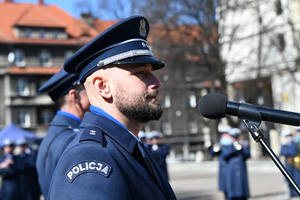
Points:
x=139, y=73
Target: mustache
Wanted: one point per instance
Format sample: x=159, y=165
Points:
x=151, y=94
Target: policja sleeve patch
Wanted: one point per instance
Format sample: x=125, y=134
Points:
x=88, y=167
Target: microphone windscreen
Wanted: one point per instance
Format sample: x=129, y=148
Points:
x=213, y=106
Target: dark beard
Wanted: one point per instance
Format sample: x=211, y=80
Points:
x=140, y=110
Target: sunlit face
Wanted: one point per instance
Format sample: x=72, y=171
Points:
x=136, y=93
x=8, y=149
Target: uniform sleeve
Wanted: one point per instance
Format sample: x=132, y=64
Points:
x=289, y=150
x=246, y=152
x=229, y=151
x=87, y=171
x=8, y=171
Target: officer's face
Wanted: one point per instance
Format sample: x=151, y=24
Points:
x=136, y=92
x=8, y=149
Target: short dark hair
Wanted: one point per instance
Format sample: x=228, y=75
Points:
x=62, y=100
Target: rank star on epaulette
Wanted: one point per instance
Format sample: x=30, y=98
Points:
x=88, y=167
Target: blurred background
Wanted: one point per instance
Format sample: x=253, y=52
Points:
x=248, y=50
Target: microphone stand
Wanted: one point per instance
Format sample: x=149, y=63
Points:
x=252, y=119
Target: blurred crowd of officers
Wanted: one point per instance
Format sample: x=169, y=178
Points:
x=233, y=151
x=153, y=141
x=18, y=172
x=290, y=149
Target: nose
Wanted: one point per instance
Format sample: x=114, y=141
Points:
x=155, y=82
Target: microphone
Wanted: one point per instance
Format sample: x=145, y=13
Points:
x=215, y=106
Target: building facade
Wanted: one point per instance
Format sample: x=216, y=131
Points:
x=260, y=44
x=35, y=41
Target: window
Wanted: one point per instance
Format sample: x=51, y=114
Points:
x=192, y=127
x=27, y=32
x=22, y=87
x=42, y=33
x=47, y=115
x=45, y=58
x=42, y=81
x=20, y=58
x=281, y=42
x=20, y=32
x=278, y=7
x=205, y=48
x=35, y=33
x=60, y=35
x=49, y=34
x=193, y=101
x=167, y=101
x=68, y=53
x=24, y=118
x=55, y=32
x=166, y=128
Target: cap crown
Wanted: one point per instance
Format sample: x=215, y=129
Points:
x=125, y=40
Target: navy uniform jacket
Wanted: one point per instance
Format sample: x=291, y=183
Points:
x=160, y=154
x=290, y=151
x=9, y=186
x=104, y=162
x=59, y=135
x=25, y=167
x=236, y=171
x=222, y=167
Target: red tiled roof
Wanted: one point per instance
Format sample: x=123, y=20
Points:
x=34, y=70
x=44, y=19
x=101, y=25
x=179, y=35
x=23, y=14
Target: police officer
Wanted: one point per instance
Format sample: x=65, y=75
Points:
x=159, y=150
x=71, y=101
x=142, y=137
x=106, y=160
x=216, y=150
x=33, y=176
x=25, y=167
x=235, y=155
x=290, y=149
x=9, y=186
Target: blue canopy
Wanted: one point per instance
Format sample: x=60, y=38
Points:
x=16, y=133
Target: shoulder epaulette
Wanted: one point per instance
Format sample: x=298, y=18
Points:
x=92, y=133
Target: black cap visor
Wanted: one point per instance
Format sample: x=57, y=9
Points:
x=156, y=64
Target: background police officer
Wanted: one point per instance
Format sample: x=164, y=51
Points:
x=9, y=186
x=216, y=151
x=72, y=103
x=106, y=160
x=25, y=166
x=290, y=149
x=159, y=150
x=234, y=156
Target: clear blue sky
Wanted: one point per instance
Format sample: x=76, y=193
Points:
x=70, y=7
x=67, y=5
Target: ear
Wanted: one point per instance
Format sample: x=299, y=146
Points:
x=73, y=95
x=102, y=87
